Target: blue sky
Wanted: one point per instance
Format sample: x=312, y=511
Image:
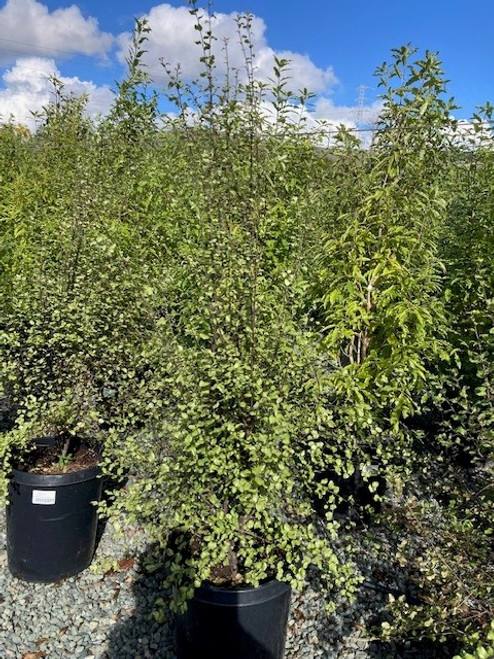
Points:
x=334, y=46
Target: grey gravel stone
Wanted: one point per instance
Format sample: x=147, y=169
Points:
x=100, y=615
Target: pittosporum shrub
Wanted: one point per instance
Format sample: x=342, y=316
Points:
x=235, y=402
x=75, y=307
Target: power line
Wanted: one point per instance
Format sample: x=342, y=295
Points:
x=47, y=48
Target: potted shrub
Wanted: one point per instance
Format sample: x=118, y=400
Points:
x=234, y=407
x=228, y=456
x=71, y=322
x=50, y=453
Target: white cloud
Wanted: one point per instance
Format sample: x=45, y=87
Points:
x=28, y=89
x=350, y=116
x=173, y=38
x=471, y=134
x=27, y=27
x=325, y=116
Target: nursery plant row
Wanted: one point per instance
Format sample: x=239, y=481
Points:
x=263, y=343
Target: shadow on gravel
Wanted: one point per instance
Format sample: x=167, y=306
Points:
x=411, y=649
x=110, y=486
x=341, y=634
x=141, y=636
x=312, y=633
x=345, y=633
x=350, y=630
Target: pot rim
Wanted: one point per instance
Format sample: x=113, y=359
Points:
x=46, y=481
x=239, y=596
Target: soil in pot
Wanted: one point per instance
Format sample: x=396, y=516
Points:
x=45, y=458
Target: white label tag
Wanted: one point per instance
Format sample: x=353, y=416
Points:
x=44, y=497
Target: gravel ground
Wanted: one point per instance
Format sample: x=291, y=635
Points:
x=106, y=614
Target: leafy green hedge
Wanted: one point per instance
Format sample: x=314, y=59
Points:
x=241, y=321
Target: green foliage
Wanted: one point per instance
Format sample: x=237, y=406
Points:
x=134, y=113
x=467, y=244
x=407, y=293
x=455, y=579
x=234, y=399
x=480, y=649
x=241, y=320
x=380, y=272
x=73, y=311
x=447, y=550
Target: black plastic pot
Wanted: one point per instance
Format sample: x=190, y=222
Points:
x=225, y=623
x=51, y=523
